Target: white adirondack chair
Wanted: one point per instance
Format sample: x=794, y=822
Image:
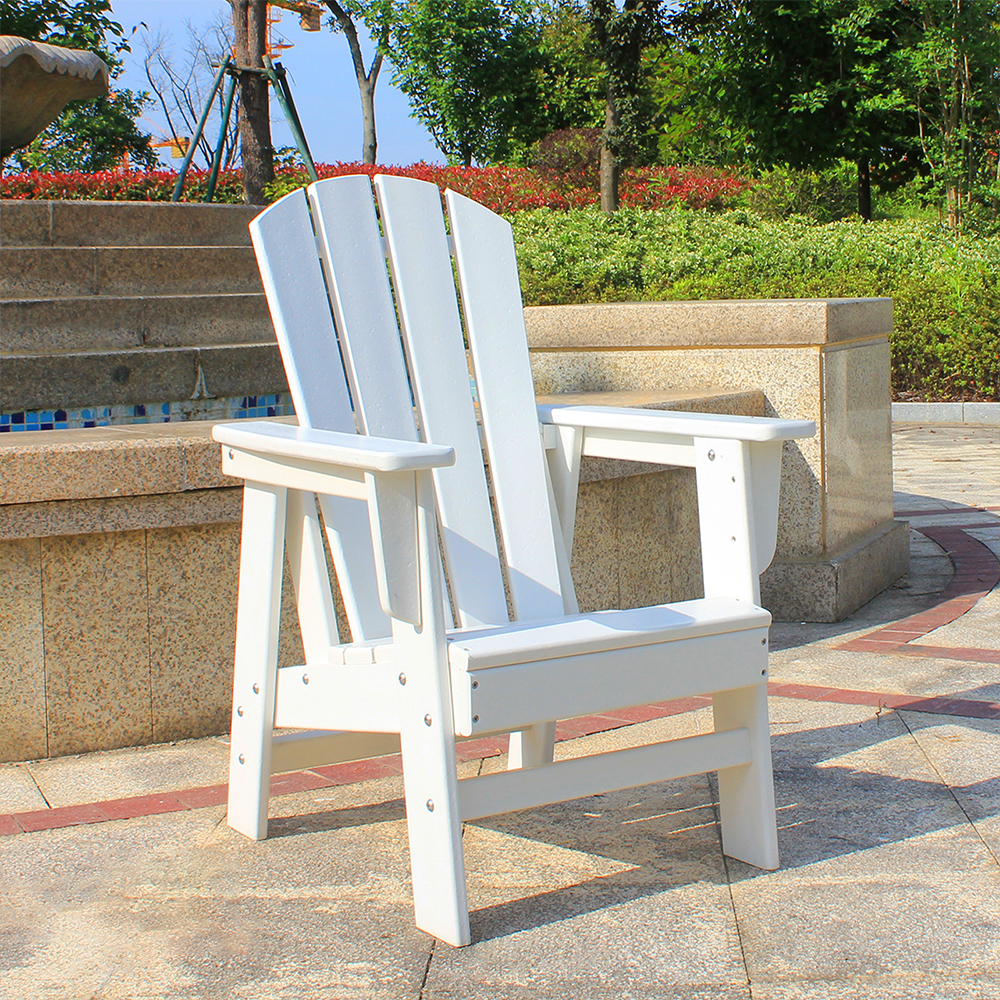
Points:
x=400, y=481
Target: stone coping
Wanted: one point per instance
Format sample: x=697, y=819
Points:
x=730, y=323
x=947, y=413
x=144, y=475
x=70, y=223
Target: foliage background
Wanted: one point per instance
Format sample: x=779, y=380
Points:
x=88, y=135
x=697, y=234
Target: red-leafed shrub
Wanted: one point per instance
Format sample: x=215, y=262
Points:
x=503, y=189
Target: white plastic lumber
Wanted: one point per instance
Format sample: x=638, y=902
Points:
x=353, y=451
x=296, y=474
x=314, y=748
x=596, y=774
x=254, y=675
x=495, y=699
x=564, y=450
x=289, y=264
x=637, y=446
x=353, y=699
x=427, y=739
x=494, y=318
x=290, y=271
x=706, y=425
x=348, y=534
x=730, y=567
x=597, y=631
x=307, y=560
x=426, y=297
x=746, y=794
x=393, y=512
x=363, y=308
x=765, y=487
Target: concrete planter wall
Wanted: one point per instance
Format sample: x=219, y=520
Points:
x=119, y=545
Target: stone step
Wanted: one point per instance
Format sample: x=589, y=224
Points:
x=94, y=323
x=30, y=223
x=62, y=272
x=144, y=375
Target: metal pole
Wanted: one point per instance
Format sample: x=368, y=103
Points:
x=179, y=186
x=276, y=74
x=219, y=146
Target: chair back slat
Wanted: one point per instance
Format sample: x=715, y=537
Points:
x=294, y=286
x=424, y=282
x=494, y=322
x=363, y=308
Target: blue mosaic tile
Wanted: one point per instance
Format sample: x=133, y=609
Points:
x=226, y=408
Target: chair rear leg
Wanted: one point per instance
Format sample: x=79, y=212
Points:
x=255, y=673
x=746, y=792
x=532, y=747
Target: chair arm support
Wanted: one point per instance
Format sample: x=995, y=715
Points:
x=353, y=451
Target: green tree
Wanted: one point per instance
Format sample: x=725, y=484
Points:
x=469, y=70
x=807, y=82
x=622, y=35
x=952, y=72
x=88, y=135
x=571, y=84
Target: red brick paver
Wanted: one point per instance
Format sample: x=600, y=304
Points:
x=351, y=772
x=977, y=572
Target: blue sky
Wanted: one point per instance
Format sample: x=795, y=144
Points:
x=322, y=80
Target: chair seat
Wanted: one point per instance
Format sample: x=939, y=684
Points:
x=602, y=631
x=574, y=635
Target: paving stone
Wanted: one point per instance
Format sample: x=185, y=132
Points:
x=116, y=774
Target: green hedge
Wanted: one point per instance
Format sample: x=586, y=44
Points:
x=945, y=289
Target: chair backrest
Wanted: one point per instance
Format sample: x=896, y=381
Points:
x=419, y=360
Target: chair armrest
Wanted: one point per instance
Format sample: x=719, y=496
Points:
x=352, y=451
x=702, y=425
x=382, y=472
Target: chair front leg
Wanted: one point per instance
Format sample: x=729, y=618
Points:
x=427, y=738
x=255, y=674
x=746, y=792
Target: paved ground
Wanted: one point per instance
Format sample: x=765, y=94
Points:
x=120, y=879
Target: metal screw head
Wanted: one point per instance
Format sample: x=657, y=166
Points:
x=402, y=678
x=231, y=455
x=256, y=689
x=239, y=711
x=475, y=684
x=427, y=719
x=242, y=759
x=430, y=805
x=763, y=673
x=475, y=718
x=763, y=642
x=711, y=455
x=305, y=678
x=733, y=478
x=733, y=539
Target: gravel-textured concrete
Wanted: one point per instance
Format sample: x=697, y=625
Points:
x=889, y=828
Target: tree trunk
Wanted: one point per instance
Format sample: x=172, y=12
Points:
x=864, y=190
x=257, y=155
x=366, y=81
x=369, y=143
x=609, y=162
